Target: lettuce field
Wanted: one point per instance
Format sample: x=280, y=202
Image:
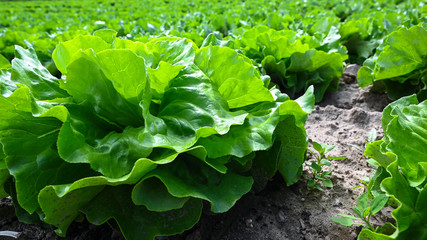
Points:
x=228, y=119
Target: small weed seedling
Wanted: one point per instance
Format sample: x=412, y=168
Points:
x=364, y=209
x=368, y=203
x=320, y=177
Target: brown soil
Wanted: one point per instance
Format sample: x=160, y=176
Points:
x=278, y=212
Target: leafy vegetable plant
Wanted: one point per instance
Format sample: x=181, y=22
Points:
x=320, y=177
x=141, y=133
x=401, y=179
x=400, y=64
x=291, y=63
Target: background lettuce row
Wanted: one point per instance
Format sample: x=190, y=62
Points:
x=358, y=25
x=141, y=133
x=399, y=65
x=296, y=43
x=293, y=62
x=402, y=169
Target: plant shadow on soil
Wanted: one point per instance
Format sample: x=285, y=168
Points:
x=278, y=212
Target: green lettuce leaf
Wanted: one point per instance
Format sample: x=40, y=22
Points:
x=239, y=83
x=405, y=52
x=320, y=69
x=190, y=179
x=63, y=53
x=4, y=175
x=264, y=41
x=411, y=215
x=6, y=85
x=400, y=64
x=191, y=108
x=4, y=63
x=99, y=92
x=405, y=179
x=114, y=203
x=29, y=143
x=27, y=70
x=411, y=157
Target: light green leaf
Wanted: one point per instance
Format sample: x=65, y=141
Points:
x=318, y=147
x=239, y=83
x=213, y=41
x=191, y=109
x=175, y=51
x=349, y=216
x=138, y=48
x=365, y=77
x=320, y=69
x=63, y=53
x=306, y=101
x=4, y=63
x=254, y=135
x=373, y=150
x=107, y=35
x=27, y=70
x=405, y=52
x=411, y=214
x=409, y=125
x=126, y=71
x=280, y=44
x=97, y=91
x=389, y=111
x=161, y=76
x=372, y=135
x=6, y=85
x=336, y=158
x=325, y=162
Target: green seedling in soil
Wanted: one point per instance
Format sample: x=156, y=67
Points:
x=364, y=209
x=368, y=203
x=320, y=177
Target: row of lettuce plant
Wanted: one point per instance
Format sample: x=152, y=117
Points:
x=360, y=26
x=399, y=65
x=400, y=179
x=142, y=133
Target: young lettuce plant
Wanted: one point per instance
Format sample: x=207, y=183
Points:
x=320, y=177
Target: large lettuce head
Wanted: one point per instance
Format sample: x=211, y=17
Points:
x=141, y=133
